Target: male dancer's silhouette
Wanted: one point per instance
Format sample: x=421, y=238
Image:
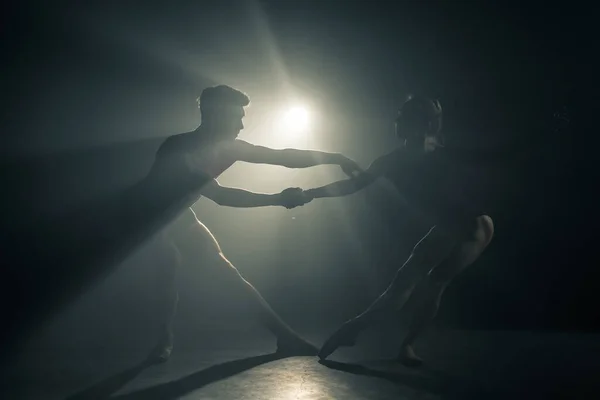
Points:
x=460, y=232
x=201, y=156
x=62, y=255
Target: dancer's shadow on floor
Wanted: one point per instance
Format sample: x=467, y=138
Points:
x=180, y=387
x=174, y=389
x=423, y=380
x=105, y=388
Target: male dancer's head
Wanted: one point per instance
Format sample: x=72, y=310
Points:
x=222, y=111
x=419, y=124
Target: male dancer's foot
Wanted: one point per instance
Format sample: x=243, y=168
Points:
x=408, y=357
x=345, y=336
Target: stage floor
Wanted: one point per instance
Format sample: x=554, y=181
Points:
x=232, y=365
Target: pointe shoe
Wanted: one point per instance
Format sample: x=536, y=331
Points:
x=162, y=352
x=345, y=336
x=295, y=346
x=163, y=355
x=408, y=357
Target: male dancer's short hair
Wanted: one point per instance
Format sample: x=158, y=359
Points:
x=216, y=97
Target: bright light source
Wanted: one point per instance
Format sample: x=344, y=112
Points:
x=290, y=127
x=296, y=119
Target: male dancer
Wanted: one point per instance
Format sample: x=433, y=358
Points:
x=201, y=156
x=459, y=235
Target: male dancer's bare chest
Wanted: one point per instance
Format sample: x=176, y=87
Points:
x=202, y=164
x=208, y=161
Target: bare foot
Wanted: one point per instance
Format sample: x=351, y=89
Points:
x=408, y=357
x=345, y=336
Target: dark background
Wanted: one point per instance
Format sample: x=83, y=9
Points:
x=90, y=91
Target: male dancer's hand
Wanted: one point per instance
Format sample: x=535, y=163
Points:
x=293, y=197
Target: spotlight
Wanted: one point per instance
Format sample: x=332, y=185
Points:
x=295, y=120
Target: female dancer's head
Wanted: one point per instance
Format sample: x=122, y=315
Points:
x=419, y=124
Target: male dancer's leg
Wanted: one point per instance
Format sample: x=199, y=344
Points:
x=431, y=289
x=430, y=251
x=288, y=341
x=169, y=261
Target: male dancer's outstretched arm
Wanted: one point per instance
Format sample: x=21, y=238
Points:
x=291, y=158
x=240, y=198
x=238, y=150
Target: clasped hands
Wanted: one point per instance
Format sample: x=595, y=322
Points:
x=296, y=197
